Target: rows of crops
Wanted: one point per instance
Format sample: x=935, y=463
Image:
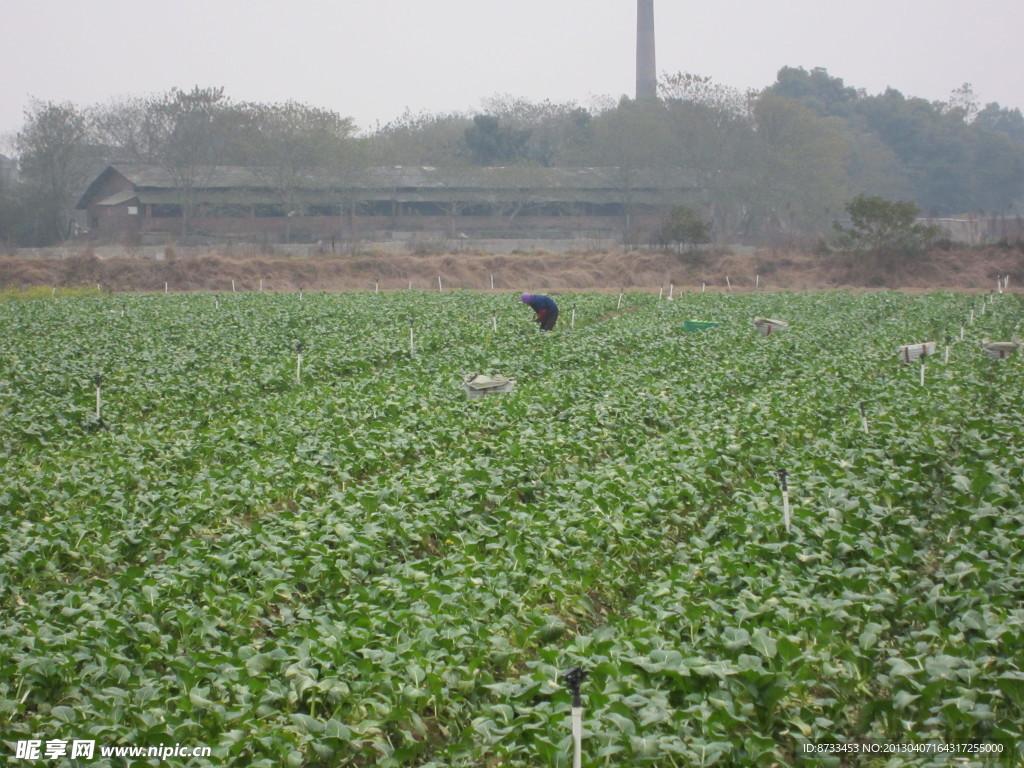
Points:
x=360, y=566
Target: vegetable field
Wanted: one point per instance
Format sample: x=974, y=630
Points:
x=341, y=560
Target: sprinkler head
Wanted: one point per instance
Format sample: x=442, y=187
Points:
x=573, y=678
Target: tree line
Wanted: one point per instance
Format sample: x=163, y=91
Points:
x=783, y=162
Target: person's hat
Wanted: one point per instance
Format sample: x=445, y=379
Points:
x=526, y=298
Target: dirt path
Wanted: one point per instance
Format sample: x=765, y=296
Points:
x=964, y=270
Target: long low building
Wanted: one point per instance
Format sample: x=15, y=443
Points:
x=512, y=201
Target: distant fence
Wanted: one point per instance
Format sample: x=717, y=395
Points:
x=981, y=229
x=414, y=244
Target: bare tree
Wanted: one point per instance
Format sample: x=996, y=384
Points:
x=55, y=164
x=188, y=141
x=292, y=142
x=128, y=128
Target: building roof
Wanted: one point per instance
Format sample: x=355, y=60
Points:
x=120, y=197
x=153, y=183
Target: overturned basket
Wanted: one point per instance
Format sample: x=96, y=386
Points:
x=1000, y=350
x=478, y=385
x=767, y=326
x=910, y=352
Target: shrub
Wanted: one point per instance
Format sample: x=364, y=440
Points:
x=683, y=227
x=884, y=232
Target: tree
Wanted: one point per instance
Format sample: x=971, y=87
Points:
x=555, y=133
x=683, y=227
x=188, y=140
x=962, y=103
x=492, y=143
x=701, y=90
x=17, y=223
x=797, y=165
x=1002, y=120
x=420, y=139
x=884, y=232
x=55, y=165
x=817, y=90
x=632, y=139
x=128, y=128
x=950, y=164
x=711, y=129
x=994, y=176
x=290, y=143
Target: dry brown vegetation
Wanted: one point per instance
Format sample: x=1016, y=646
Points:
x=955, y=270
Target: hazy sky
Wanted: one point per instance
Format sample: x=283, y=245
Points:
x=373, y=59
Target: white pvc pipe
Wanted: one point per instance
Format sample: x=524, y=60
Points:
x=577, y=737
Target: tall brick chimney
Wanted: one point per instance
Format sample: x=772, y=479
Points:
x=646, y=76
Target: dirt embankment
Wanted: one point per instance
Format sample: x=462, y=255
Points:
x=955, y=270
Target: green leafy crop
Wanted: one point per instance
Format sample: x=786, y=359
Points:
x=363, y=567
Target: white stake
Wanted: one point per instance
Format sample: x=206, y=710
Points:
x=661, y=291
x=863, y=417
x=572, y=320
x=232, y=285
x=999, y=283
x=410, y=285
x=619, y=305
x=494, y=321
x=728, y=284
x=492, y=282
x=376, y=287
x=961, y=333
x=922, y=371
x=412, y=344
x=298, y=368
x=945, y=358
x=577, y=737
x=439, y=283
x=703, y=287
x=972, y=317
x=757, y=281
x=671, y=290
x=573, y=678
x=97, y=401
x=786, y=515
x=165, y=287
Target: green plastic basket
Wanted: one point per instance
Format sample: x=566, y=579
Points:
x=697, y=325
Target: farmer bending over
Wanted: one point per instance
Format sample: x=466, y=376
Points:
x=544, y=306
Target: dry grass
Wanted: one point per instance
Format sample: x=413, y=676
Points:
x=955, y=270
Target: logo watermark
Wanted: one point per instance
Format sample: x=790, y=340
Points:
x=86, y=749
